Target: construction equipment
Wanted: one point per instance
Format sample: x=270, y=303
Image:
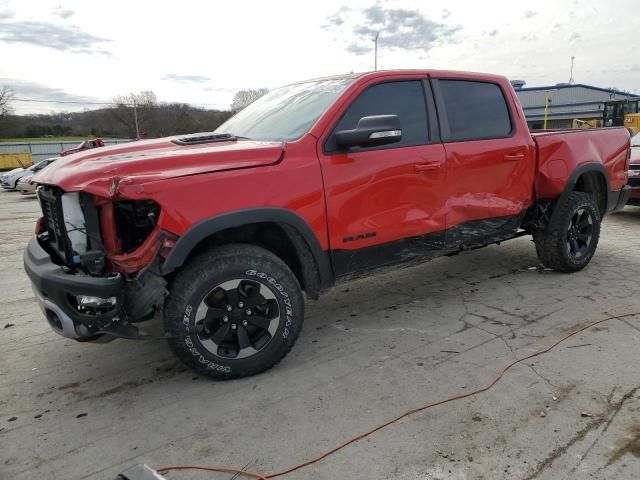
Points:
x=593, y=123
x=622, y=113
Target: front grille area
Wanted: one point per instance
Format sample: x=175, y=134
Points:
x=634, y=181
x=51, y=204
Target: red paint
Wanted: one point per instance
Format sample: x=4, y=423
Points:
x=147, y=161
x=490, y=178
x=559, y=153
x=140, y=257
x=108, y=229
x=39, y=226
x=397, y=193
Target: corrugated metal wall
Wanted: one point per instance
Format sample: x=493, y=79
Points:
x=42, y=150
x=567, y=102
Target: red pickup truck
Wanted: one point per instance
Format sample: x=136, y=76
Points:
x=85, y=145
x=315, y=183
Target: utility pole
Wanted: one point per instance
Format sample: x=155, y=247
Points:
x=571, y=80
x=135, y=117
x=547, y=101
x=375, y=51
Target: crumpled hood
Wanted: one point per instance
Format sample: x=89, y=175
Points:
x=100, y=171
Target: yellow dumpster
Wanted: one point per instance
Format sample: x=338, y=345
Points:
x=9, y=161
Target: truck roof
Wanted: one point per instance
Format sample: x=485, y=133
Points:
x=408, y=71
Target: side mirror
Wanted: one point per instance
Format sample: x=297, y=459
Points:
x=371, y=131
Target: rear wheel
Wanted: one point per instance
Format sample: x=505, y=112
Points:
x=234, y=311
x=571, y=239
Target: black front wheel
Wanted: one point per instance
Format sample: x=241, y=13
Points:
x=571, y=239
x=234, y=311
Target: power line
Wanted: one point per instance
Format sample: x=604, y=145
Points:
x=79, y=102
x=60, y=101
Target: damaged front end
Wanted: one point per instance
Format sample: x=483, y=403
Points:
x=95, y=262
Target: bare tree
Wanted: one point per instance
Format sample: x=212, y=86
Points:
x=246, y=97
x=6, y=96
x=136, y=111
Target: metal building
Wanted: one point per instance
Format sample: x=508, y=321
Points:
x=566, y=103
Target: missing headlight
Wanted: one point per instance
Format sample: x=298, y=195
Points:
x=135, y=220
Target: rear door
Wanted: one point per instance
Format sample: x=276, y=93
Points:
x=490, y=160
x=385, y=204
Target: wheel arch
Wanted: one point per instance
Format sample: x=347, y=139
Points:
x=591, y=178
x=278, y=230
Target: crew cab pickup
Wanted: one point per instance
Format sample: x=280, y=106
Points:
x=222, y=233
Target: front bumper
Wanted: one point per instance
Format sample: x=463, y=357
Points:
x=56, y=290
x=5, y=184
x=634, y=183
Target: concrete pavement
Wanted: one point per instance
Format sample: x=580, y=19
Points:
x=368, y=350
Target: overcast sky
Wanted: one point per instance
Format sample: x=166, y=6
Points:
x=201, y=52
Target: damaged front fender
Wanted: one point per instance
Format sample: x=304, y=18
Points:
x=158, y=241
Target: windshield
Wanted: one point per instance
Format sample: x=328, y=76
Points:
x=635, y=140
x=41, y=164
x=286, y=113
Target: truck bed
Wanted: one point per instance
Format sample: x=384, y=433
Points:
x=560, y=152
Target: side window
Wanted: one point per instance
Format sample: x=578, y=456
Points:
x=404, y=99
x=475, y=110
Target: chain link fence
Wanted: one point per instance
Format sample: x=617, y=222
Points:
x=41, y=150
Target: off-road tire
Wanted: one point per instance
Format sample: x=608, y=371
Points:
x=552, y=243
x=214, y=267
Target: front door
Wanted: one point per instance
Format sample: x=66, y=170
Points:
x=385, y=204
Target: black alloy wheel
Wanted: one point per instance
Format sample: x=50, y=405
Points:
x=237, y=318
x=580, y=233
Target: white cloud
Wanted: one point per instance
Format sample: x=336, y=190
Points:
x=177, y=77
x=62, y=12
x=397, y=28
x=203, y=52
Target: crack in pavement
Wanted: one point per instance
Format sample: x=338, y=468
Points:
x=546, y=380
x=595, y=423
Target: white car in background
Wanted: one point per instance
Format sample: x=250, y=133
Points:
x=8, y=177
x=9, y=180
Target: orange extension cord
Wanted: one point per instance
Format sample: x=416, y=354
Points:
x=491, y=384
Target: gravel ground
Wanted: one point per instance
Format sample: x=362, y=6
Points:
x=369, y=349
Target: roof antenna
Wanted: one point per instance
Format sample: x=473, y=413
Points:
x=571, y=80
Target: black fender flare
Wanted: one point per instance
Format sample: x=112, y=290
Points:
x=573, y=180
x=209, y=226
